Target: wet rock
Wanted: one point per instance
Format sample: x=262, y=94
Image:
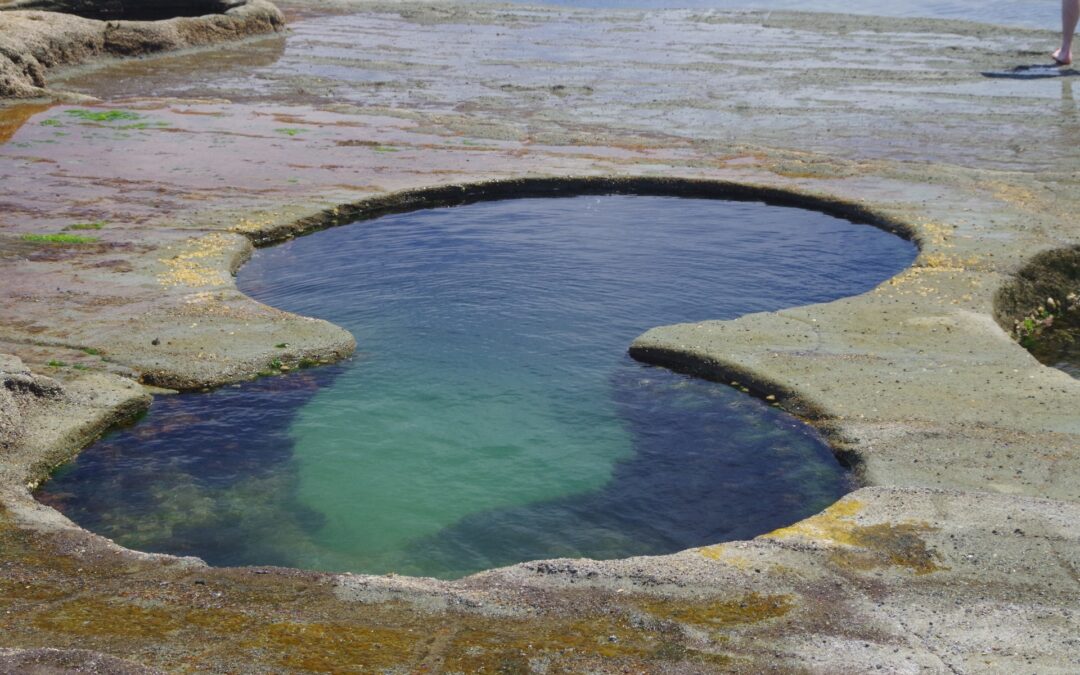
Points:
x=144, y=10
x=10, y=420
x=34, y=42
x=18, y=386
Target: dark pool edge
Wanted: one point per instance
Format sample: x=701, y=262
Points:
x=753, y=384
x=574, y=186
x=1051, y=274
x=756, y=385
x=762, y=387
x=332, y=348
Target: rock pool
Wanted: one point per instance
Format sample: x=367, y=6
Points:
x=491, y=414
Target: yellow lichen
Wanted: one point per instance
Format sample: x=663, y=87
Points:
x=748, y=609
x=940, y=261
x=721, y=553
x=935, y=234
x=832, y=521
x=1009, y=193
x=193, y=266
x=334, y=647
x=255, y=223
x=865, y=546
x=98, y=618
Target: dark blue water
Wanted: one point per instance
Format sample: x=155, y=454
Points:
x=491, y=414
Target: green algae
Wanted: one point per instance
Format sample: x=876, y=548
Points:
x=58, y=238
x=142, y=126
x=102, y=115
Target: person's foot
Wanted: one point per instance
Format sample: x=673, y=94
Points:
x=1062, y=58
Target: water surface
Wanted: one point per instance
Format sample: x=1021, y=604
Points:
x=1032, y=14
x=491, y=414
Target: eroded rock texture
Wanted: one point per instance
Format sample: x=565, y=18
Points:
x=20, y=388
x=33, y=42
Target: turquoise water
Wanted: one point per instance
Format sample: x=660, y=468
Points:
x=491, y=414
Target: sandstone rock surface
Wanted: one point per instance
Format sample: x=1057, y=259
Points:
x=959, y=553
x=34, y=42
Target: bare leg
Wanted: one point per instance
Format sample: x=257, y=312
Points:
x=1070, y=13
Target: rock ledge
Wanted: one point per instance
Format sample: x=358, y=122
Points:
x=35, y=42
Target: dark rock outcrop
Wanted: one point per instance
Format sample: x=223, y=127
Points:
x=129, y=10
x=34, y=42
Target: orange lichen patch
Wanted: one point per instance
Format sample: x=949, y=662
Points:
x=865, y=546
x=712, y=552
x=192, y=267
x=29, y=591
x=93, y=617
x=484, y=645
x=829, y=524
x=923, y=279
x=257, y=222
x=935, y=234
x=749, y=609
x=390, y=636
x=949, y=263
x=890, y=545
x=13, y=117
x=1013, y=194
x=332, y=647
x=723, y=553
x=219, y=621
x=476, y=649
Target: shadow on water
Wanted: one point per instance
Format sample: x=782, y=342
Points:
x=206, y=474
x=709, y=464
x=1036, y=71
x=496, y=417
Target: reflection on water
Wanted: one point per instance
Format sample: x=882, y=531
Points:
x=491, y=414
x=189, y=74
x=1035, y=13
x=699, y=451
x=14, y=116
